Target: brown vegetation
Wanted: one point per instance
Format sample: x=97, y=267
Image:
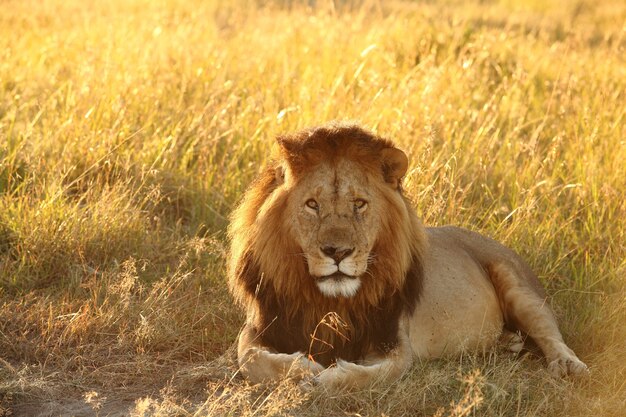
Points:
x=129, y=129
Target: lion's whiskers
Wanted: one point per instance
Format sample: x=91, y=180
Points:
x=371, y=259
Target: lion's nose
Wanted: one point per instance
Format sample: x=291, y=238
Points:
x=338, y=254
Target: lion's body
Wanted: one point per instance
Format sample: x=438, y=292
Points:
x=340, y=279
x=459, y=309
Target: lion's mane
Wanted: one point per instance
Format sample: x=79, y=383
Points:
x=268, y=274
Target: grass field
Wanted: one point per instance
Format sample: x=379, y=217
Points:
x=129, y=129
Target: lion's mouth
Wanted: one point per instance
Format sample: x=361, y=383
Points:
x=337, y=276
x=338, y=285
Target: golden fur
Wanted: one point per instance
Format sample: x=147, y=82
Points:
x=340, y=280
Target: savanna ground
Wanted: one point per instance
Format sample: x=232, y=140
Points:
x=130, y=128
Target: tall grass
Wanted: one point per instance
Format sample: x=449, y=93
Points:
x=129, y=129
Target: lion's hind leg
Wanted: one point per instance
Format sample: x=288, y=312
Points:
x=529, y=312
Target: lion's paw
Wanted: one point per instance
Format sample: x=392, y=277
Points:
x=337, y=375
x=512, y=341
x=346, y=366
x=332, y=376
x=567, y=365
x=261, y=364
x=348, y=374
x=305, y=365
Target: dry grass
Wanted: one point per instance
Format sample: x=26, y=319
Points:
x=128, y=130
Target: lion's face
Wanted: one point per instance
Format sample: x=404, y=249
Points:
x=326, y=219
x=335, y=216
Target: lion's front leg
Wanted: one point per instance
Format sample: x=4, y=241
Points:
x=352, y=375
x=259, y=364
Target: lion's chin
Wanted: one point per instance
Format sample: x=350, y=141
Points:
x=338, y=285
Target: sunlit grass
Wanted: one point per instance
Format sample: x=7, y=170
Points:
x=129, y=129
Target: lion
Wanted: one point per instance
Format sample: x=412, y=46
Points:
x=342, y=284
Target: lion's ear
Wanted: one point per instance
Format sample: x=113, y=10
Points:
x=395, y=163
x=286, y=144
x=290, y=156
x=279, y=174
x=281, y=152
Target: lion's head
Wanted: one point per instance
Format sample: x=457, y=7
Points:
x=326, y=228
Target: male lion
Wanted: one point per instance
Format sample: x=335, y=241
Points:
x=343, y=284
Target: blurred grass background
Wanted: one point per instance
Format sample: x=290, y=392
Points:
x=129, y=129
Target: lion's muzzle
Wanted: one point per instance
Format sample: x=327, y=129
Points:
x=335, y=272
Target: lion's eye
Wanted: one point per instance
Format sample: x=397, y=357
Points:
x=312, y=204
x=359, y=205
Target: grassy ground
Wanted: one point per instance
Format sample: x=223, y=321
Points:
x=129, y=129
